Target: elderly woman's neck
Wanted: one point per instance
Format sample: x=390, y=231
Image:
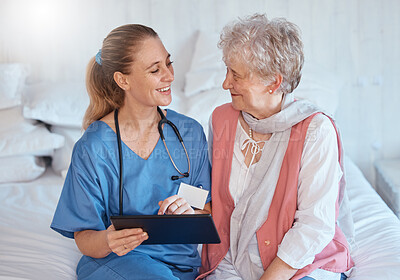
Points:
x=268, y=108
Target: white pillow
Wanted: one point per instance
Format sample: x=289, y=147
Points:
x=29, y=139
x=62, y=156
x=207, y=70
x=56, y=103
x=319, y=86
x=20, y=168
x=12, y=119
x=12, y=81
x=204, y=103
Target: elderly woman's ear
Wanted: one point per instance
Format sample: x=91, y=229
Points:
x=275, y=84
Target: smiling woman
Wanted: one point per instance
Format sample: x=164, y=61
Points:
x=127, y=81
x=281, y=154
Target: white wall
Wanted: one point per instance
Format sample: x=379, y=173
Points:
x=358, y=40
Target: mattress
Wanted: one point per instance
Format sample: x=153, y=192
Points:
x=31, y=250
x=377, y=230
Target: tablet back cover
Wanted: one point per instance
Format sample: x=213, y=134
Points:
x=172, y=229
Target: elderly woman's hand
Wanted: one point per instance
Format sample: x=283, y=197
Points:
x=174, y=205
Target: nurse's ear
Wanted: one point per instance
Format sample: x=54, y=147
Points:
x=121, y=80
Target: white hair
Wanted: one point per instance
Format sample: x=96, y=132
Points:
x=268, y=47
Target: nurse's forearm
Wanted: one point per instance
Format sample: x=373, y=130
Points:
x=93, y=243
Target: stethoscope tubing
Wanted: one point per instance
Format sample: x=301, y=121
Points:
x=163, y=120
x=121, y=166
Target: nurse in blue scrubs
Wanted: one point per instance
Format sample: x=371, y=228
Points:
x=128, y=79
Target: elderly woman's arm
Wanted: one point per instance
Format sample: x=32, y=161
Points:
x=278, y=270
x=314, y=224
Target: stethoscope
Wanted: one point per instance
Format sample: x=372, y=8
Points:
x=163, y=120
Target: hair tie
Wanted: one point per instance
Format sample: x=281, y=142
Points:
x=98, y=57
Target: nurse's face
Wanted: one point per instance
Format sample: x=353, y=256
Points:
x=149, y=82
x=248, y=92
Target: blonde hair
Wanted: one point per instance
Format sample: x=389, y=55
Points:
x=268, y=47
x=116, y=56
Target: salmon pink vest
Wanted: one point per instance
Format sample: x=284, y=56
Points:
x=334, y=257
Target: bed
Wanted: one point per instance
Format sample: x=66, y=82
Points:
x=40, y=123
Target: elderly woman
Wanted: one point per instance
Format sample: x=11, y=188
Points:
x=276, y=165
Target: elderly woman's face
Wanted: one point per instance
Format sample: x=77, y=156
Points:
x=248, y=92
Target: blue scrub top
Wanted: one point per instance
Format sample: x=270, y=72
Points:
x=91, y=190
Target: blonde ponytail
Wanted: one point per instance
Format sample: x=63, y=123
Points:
x=104, y=98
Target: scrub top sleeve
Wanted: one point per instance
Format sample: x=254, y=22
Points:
x=81, y=204
x=202, y=172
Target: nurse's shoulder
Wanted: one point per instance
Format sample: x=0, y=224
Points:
x=184, y=123
x=97, y=140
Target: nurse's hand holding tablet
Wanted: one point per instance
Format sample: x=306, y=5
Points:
x=123, y=241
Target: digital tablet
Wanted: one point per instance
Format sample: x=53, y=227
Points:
x=172, y=229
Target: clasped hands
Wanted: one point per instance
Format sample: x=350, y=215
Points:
x=123, y=241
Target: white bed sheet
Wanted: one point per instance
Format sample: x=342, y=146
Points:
x=377, y=231
x=29, y=249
